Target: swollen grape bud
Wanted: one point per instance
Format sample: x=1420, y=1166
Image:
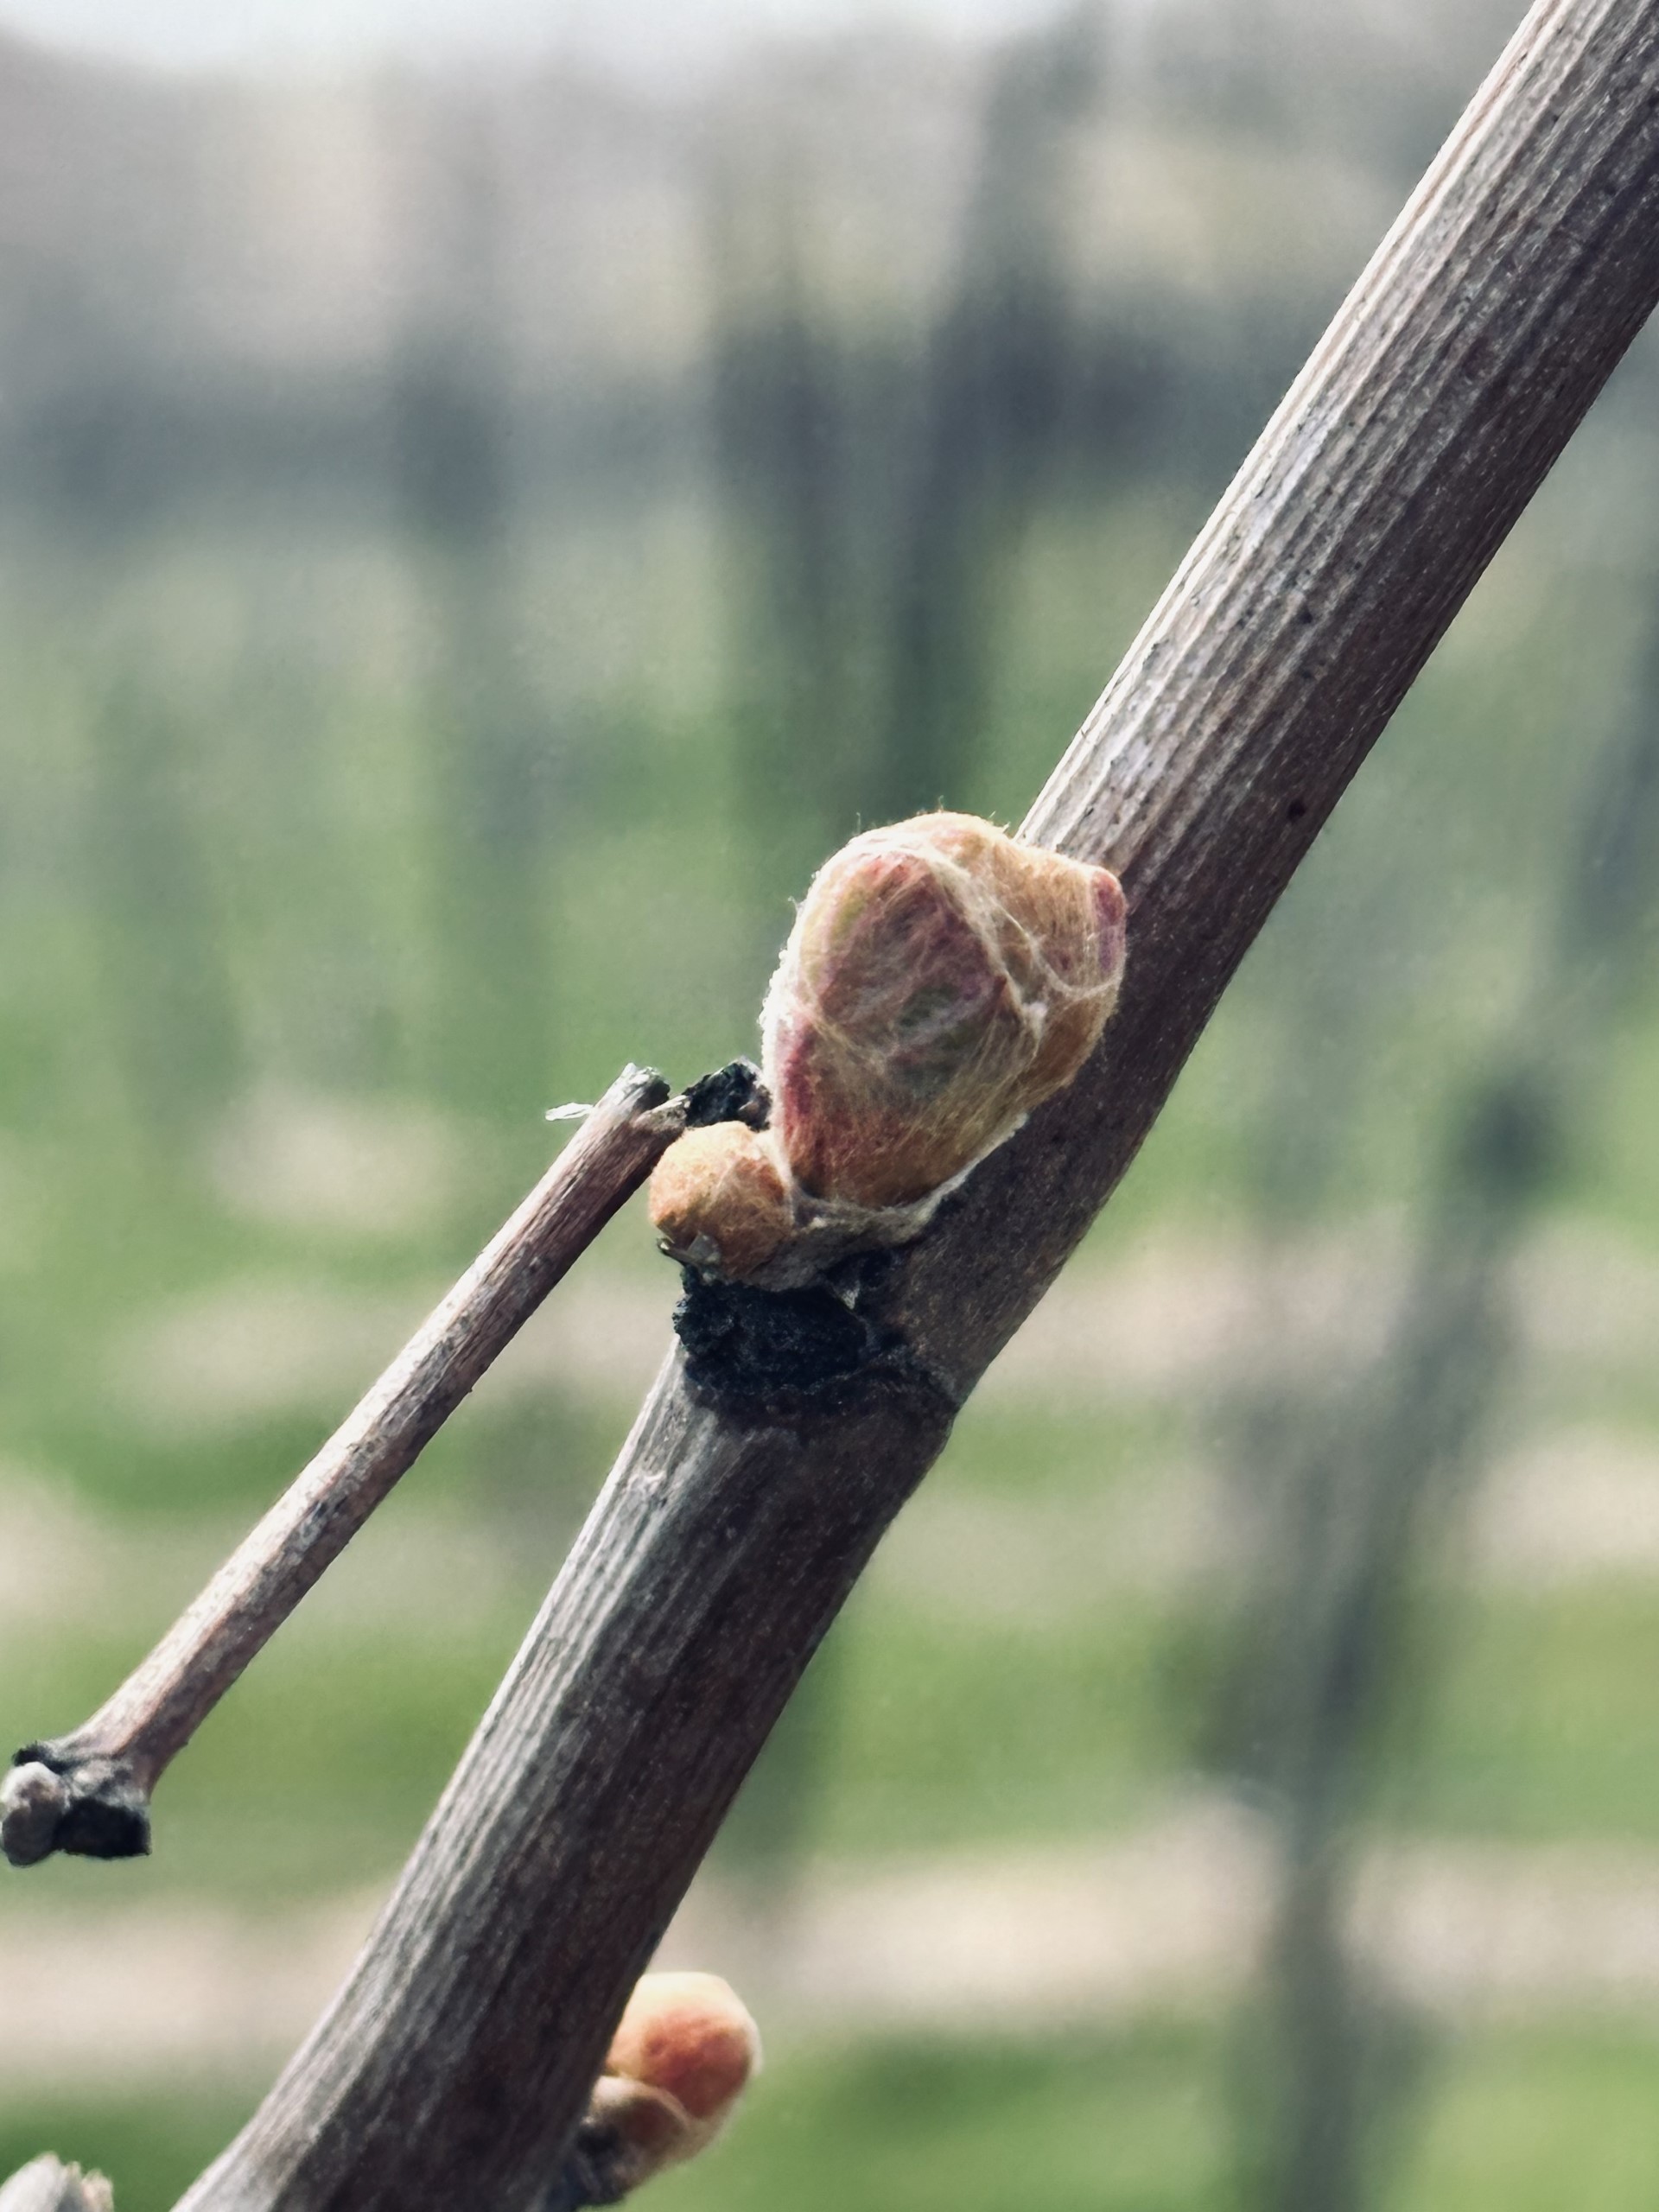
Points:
x=682, y=2053
x=718, y=1201
x=942, y=980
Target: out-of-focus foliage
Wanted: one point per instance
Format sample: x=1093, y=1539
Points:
x=469, y=548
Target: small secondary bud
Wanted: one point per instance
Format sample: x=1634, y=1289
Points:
x=683, y=2052
x=690, y=2036
x=718, y=1201
x=942, y=980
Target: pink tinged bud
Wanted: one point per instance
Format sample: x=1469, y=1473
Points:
x=683, y=2052
x=718, y=1201
x=690, y=2036
x=942, y=980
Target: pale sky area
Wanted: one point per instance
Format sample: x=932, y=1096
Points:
x=651, y=37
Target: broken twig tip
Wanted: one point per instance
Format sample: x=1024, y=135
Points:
x=88, y=1793
x=88, y=1807
x=33, y=1801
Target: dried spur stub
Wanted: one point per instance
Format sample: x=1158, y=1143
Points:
x=941, y=981
x=684, y=2051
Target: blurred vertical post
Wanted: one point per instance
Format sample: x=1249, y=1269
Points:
x=453, y=440
x=879, y=492
x=167, y=998
x=1346, y=1484
x=994, y=380
x=786, y=462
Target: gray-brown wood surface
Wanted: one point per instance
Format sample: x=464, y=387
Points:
x=452, y=2066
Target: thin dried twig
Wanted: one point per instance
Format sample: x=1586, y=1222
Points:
x=89, y=1792
x=772, y=1452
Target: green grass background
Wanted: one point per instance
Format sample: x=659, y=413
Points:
x=227, y=865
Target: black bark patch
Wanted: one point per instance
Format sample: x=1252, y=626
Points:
x=763, y=1345
x=592, y=2171
x=109, y=1826
x=734, y=1093
x=107, y=1815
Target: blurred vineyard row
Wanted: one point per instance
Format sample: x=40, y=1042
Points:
x=470, y=546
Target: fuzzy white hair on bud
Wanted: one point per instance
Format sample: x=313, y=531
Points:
x=942, y=980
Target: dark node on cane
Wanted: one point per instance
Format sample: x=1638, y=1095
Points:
x=734, y=1093
x=759, y=1346
x=88, y=1808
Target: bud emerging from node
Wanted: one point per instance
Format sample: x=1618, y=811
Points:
x=682, y=2053
x=718, y=1201
x=942, y=980
x=690, y=2036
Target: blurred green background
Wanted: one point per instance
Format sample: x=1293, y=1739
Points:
x=472, y=542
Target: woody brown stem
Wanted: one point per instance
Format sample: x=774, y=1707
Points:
x=89, y=1792
x=455, y=2064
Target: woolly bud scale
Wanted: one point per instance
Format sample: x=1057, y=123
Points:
x=719, y=1202
x=941, y=981
x=682, y=2053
